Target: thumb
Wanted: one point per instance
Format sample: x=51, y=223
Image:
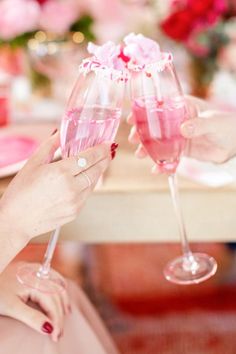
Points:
x=196, y=127
x=46, y=150
x=32, y=318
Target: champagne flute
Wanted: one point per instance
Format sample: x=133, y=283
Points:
x=159, y=109
x=92, y=117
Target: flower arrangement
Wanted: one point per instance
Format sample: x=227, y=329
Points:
x=21, y=19
x=200, y=26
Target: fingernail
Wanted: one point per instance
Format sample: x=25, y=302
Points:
x=188, y=129
x=47, y=328
x=113, y=154
x=114, y=146
x=54, y=131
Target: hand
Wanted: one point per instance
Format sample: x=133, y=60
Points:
x=211, y=134
x=45, y=313
x=44, y=196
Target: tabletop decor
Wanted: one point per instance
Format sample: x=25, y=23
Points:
x=39, y=28
x=201, y=27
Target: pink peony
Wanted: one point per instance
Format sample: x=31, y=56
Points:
x=107, y=54
x=140, y=49
x=58, y=16
x=17, y=17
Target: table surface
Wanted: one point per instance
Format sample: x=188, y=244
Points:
x=132, y=205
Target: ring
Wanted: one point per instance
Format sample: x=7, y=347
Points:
x=87, y=179
x=82, y=162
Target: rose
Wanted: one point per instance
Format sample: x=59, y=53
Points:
x=140, y=49
x=178, y=25
x=58, y=16
x=17, y=17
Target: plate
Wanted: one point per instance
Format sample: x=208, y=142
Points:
x=14, y=152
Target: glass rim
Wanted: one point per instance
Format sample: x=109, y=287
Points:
x=92, y=64
x=159, y=65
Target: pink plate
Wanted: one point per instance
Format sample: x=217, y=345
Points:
x=14, y=151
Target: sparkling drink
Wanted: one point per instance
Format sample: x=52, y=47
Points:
x=158, y=125
x=86, y=127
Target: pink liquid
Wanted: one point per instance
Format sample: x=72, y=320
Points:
x=158, y=125
x=87, y=127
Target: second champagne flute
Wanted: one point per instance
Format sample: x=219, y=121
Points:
x=92, y=117
x=159, y=109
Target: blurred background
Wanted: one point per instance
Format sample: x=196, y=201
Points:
x=41, y=45
x=43, y=41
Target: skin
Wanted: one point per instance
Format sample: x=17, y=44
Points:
x=31, y=306
x=210, y=133
x=42, y=197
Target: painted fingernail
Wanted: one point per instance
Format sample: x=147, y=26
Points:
x=114, y=146
x=113, y=154
x=54, y=131
x=47, y=328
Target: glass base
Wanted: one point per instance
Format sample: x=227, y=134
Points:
x=30, y=276
x=184, y=272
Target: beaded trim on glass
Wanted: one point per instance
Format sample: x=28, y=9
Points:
x=92, y=64
x=167, y=58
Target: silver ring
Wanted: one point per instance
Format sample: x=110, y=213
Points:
x=82, y=162
x=87, y=179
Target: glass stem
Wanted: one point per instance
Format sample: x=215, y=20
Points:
x=44, y=269
x=189, y=261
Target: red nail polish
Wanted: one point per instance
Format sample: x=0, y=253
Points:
x=54, y=131
x=47, y=328
x=114, y=146
x=113, y=154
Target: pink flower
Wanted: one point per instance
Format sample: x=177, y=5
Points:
x=140, y=49
x=58, y=16
x=107, y=54
x=17, y=17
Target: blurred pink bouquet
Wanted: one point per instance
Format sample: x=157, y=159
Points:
x=19, y=17
x=200, y=26
x=57, y=16
x=196, y=23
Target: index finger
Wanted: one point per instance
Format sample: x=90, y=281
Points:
x=85, y=159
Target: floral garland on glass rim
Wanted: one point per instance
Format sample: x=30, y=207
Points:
x=201, y=27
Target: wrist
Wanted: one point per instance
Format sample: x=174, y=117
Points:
x=11, y=229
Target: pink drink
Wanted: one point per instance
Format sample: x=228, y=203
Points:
x=86, y=127
x=158, y=125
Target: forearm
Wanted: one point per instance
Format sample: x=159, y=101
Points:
x=11, y=241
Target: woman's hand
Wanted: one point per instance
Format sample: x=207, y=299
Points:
x=43, y=312
x=211, y=136
x=44, y=196
x=211, y=133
